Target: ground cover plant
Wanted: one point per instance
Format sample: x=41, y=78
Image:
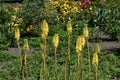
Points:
x=60, y=41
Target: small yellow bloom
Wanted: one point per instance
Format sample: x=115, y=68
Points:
x=78, y=44
x=85, y=31
x=20, y=20
x=28, y=29
x=14, y=17
x=26, y=46
x=95, y=58
x=55, y=40
x=69, y=27
x=16, y=9
x=16, y=25
x=12, y=24
x=31, y=27
x=17, y=33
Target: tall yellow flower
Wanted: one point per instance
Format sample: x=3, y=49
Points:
x=85, y=31
x=69, y=27
x=55, y=40
x=44, y=28
x=26, y=46
x=17, y=33
x=78, y=44
x=97, y=48
x=95, y=58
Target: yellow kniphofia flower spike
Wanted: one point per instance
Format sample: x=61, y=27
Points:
x=44, y=26
x=26, y=46
x=78, y=44
x=69, y=27
x=44, y=29
x=17, y=33
x=95, y=58
x=55, y=40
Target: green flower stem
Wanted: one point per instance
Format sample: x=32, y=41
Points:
x=69, y=56
x=55, y=50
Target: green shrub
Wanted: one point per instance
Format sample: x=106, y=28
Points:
x=106, y=18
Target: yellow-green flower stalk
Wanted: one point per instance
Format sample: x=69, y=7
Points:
x=82, y=55
x=44, y=34
x=69, y=30
x=79, y=50
x=86, y=35
x=24, y=62
x=17, y=37
x=95, y=64
x=55, y=44
x=45, y=66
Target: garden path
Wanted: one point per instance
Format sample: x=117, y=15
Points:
x=107, y=45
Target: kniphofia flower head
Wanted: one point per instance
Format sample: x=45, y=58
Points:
x=55, y=40
x=78, y=44
x=69, y=27
x=95, y=58
x=17, y=33
x=44, y=28
x=26, y=46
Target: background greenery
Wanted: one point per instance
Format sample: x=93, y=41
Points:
x=100, y=17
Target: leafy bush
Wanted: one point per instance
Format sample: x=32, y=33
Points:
x=106, y=17
x=4, y=19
